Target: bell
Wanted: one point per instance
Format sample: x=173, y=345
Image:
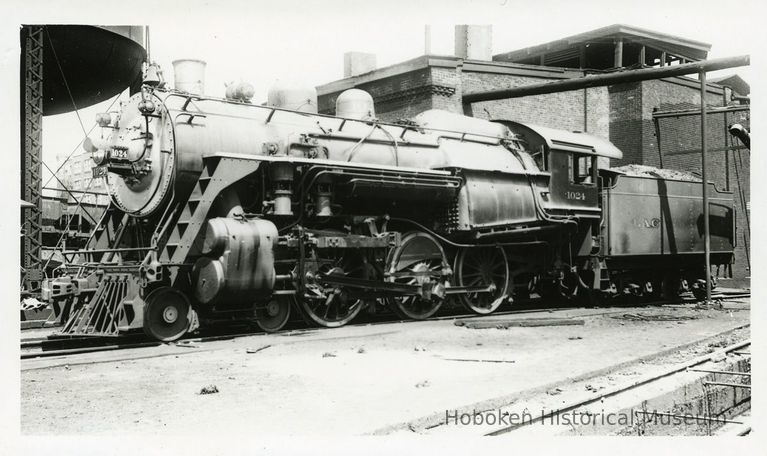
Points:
x=151, y=75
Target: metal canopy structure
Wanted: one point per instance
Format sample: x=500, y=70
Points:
x=613, y=46
x=88, y=64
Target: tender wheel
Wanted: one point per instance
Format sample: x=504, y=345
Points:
x=271, y=316
x=481, y=267
x=166, y=314
x=419, y=260
x=329, y=305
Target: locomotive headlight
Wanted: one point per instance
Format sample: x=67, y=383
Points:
x=99, y=156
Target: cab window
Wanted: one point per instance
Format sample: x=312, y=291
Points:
x=541, y=158
x=582, y=169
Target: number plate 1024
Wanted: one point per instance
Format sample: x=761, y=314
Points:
x=99, y=171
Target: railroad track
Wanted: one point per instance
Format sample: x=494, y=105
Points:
x=43, y=348
x=694, y=365
x=68, y=346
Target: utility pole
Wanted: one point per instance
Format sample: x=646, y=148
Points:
x=704, y=151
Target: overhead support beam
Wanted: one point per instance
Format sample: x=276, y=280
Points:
x=31, y=152
x=601, y=80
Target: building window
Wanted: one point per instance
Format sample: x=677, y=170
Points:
x=581, y=169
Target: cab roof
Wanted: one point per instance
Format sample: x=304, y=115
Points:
x=563, y=140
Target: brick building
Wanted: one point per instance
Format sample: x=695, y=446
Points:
x=652, y=122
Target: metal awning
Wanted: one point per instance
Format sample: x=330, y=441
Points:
x=582, y=143
x=86, y=64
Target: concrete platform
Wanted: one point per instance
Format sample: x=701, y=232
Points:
x=355, y=380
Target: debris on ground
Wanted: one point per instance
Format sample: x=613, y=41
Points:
x=473, y=360
x=653, y=317
x=718, y=356
x=210, y=389
x=186, y=344
x=328, y=355
x=716, y=304
x=720, y=343
x=361, y=350
x=423, y=384
x=651, y=171
x=526, y=322
x=256, y=350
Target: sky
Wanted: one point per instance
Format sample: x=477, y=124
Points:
x=304, y=42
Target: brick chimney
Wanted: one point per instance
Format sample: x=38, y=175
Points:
x=474, y=42
x=358, y=62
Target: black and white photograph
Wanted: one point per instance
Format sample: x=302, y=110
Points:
x=387, y=227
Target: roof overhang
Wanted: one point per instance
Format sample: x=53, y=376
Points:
x=681, y=47
x=563, y=140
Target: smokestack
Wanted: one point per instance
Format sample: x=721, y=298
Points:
x=189, y=76
x=358, y=62
x=427, y=40
x=474, y=42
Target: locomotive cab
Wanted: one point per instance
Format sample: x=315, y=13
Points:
x=571, y=161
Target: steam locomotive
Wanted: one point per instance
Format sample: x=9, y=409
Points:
x=226, y=210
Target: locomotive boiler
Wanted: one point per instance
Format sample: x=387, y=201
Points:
x=226, y=210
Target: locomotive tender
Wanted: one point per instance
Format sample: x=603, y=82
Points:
x=221, y=209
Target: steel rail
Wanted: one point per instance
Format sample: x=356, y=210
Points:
x=119, y=346
x=620, y=389
x=113, y=346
